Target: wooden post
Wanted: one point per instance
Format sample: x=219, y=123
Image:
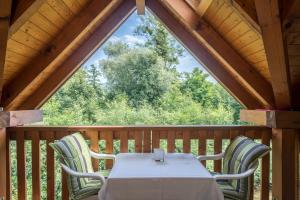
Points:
x=3, y=169
x=285, y=163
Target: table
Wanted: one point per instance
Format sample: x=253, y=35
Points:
x=136, y=176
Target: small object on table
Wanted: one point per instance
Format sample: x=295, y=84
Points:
x=159, y=155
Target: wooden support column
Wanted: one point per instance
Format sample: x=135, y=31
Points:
x=5, y=11
x=285, y=164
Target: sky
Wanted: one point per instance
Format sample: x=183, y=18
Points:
x=125, y=33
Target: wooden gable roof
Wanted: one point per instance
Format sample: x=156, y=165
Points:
x=48, y=40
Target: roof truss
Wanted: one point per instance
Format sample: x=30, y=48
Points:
x=205, y=43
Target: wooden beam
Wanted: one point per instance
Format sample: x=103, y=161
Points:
x=21, y=12
x=248, y=12
x=63, y=72
x=5, y=11
x=285, y=163
x=140, y=6
x=200, y=6
x=80, y=25
x=191, y=42
x=275, y=47
x=221, y=49
x=272, y=118
x=20, y=117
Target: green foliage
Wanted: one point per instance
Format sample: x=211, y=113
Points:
x=159, y=40
x=138, y=72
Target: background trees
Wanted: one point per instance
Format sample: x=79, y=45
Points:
x=139, y=84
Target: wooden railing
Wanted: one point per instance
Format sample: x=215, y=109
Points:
x=173, y=138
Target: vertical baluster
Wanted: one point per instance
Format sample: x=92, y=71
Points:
x=155, y=139
x=64, y=176
x=36, y=166
x=171, y=141
x=202, y=144
x=217, y=149
x=8, y=168
x=64, y=183
x=50, y=167
x=94, y=139
x=21, y=165
x=147, y=141
x=138, y=141
x=124, y=141
x=265, y=168
x=186, y=141
x=108, y=135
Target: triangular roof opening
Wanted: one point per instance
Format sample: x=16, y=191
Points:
x=141, y=75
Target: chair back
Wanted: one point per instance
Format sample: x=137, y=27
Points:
x=75, y=153
x=242, y=154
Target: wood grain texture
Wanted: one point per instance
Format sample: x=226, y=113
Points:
x=270, y=23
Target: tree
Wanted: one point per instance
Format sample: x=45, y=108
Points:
x=139, y=73
x=159, y=40
x=198, y=86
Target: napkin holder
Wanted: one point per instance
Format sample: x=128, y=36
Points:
x=159, y=155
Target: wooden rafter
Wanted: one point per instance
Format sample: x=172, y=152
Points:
x=248, y=12
x=200, y=6
x=140, y=6
x=79, y=26
x=221, y=49
x=22, y=10
x=202, y=54
x=275, y=47
x=69, y=66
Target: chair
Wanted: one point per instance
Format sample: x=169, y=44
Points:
x=83, y=182
x=240, y=160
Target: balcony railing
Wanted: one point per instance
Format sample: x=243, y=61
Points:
x=145, y=138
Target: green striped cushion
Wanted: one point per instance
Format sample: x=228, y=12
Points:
x=240, y=156
x=75, y=153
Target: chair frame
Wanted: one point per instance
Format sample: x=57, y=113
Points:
x=220, y=156
x=94, y=175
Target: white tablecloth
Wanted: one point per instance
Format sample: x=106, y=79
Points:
x=139, y=177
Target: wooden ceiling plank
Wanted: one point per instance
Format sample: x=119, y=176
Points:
x=22, y=11
x=71, y=64
x=140, y=6
x=80, y=25
x=5, y=12
x=222, y=49
x=248, y=12
x=270, y=23
x=202, y=54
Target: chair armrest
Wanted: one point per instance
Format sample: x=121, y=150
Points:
x=211, y=157
x=102, y=156
x=71, y=172
x=245, y=174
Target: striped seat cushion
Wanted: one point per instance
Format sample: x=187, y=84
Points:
x=75, y=153
x=240, y=156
